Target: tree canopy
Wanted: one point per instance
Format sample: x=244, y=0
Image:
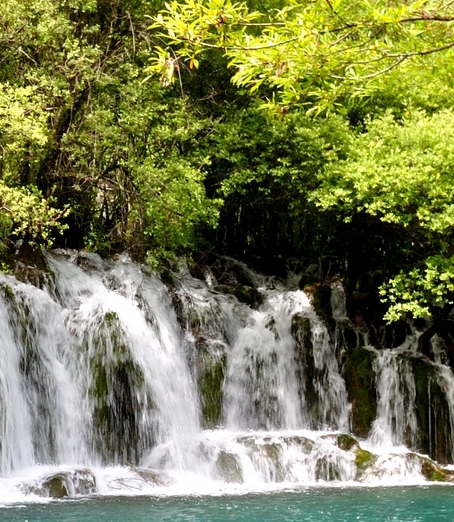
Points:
x=103, y=149
x=313, y=54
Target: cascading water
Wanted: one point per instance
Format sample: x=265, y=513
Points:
x=396, y=419
x=109, y=381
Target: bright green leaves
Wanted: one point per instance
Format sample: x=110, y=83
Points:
x=403, y=173
x=174, y=204
x=312, y=54
x=420, y=290
x=24, y=131
x=24, y=213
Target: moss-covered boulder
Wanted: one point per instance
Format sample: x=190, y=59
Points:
x=211, y=360
x=364, y=459
x=117, y=392
x=433, y=472
x=360, y=382
x=346, y=442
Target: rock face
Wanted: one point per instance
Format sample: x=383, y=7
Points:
x=65, y=484
x=360, y=381
x=228, y=468
x=211, y=365
x=427, y=385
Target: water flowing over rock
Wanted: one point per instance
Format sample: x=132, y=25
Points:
x=111, y=380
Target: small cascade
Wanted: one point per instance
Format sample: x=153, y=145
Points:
x=334, y=409
x=43, y=417
x=130, y=352
x=113, y=382
x=15, y=420
x=437, y=435
x=396, y=422
x=261, y=387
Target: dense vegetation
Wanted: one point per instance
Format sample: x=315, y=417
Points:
x=121, y=128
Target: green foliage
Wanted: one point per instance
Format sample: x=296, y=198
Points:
x=24, y=213
x=79, y=126
x=421, y=289
x=156, y=170
x=265, y=168
x=313, y=54
x=403, y=173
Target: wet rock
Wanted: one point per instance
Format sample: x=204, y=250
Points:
x=267, y=455
x=232, y=273
x=320, y=295
x=65, y=484
x=249, y=296
x=306, y=445
x=310, y=276
x=327, y=470
x=348, y=338
x=432, y=411
x=155, y=478
x=433, y=472
x=346, y=442
x=360, y=382
x=304, y=359
x=364, y=460
x=211, y=360
x=228, y=468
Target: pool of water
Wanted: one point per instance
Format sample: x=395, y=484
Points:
x=409, y=504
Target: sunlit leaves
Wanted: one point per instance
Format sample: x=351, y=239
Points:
x=402, y=172
x=312, y=54
x=24, y=213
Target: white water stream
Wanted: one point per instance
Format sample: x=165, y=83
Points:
x=99, y=387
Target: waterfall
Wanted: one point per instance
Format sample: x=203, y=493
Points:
x=396, y=420
x=111, y=380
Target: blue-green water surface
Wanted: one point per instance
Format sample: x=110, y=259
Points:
x=410, y=504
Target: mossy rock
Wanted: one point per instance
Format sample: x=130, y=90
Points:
x=346, y=442
x=360, y=382
x=433, y=472
x=364, y=460
x=116, y=387
x=7, y=292
x=211, y=366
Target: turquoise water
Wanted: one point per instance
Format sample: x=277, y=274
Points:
x=410, y=504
